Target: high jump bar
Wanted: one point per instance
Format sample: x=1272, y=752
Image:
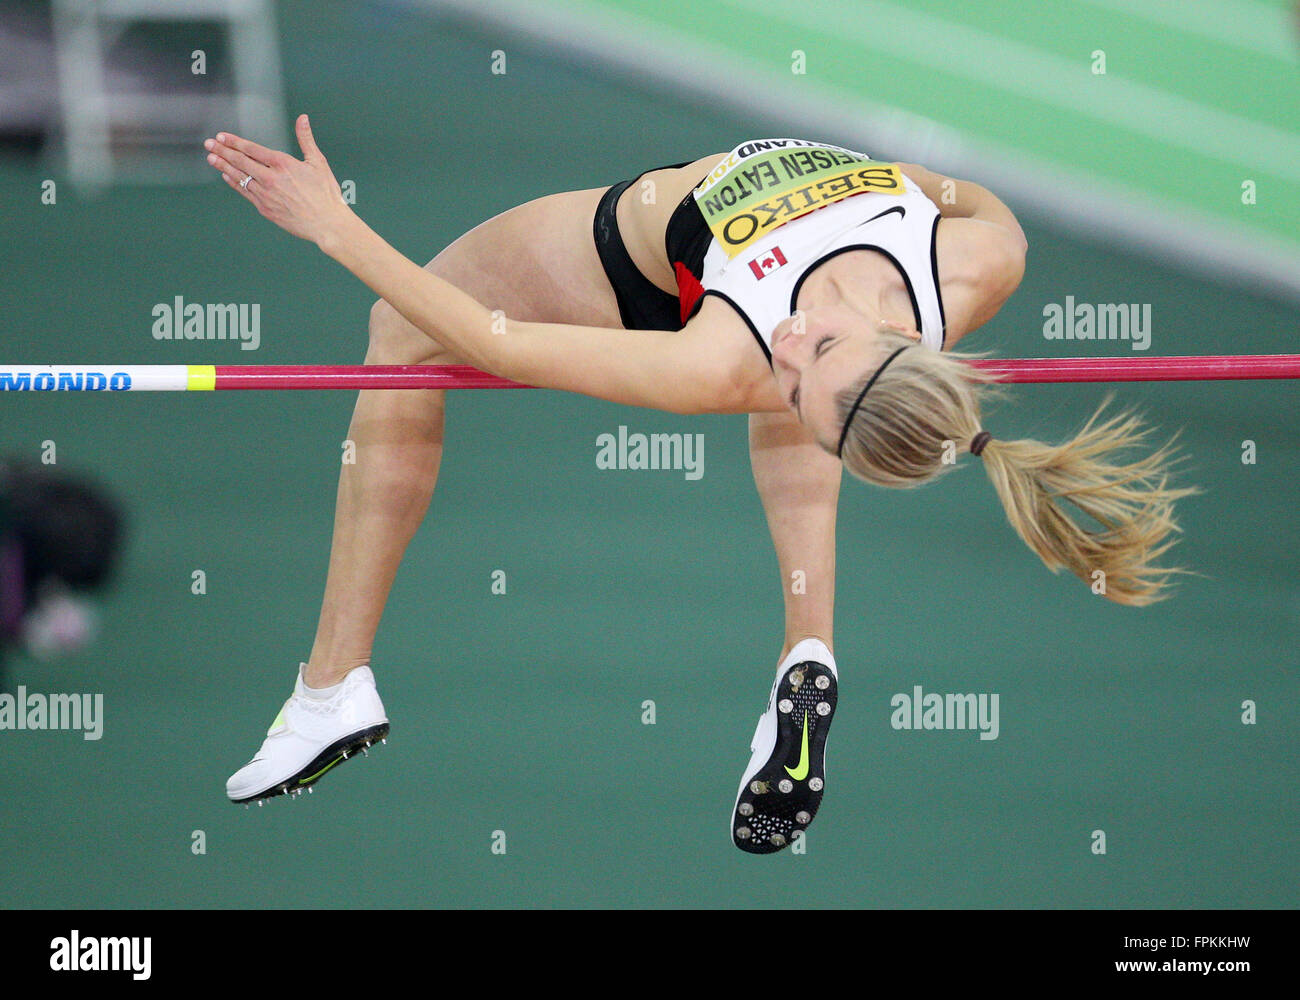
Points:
x=183, y=378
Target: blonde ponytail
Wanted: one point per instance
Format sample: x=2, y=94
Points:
x=926, y=405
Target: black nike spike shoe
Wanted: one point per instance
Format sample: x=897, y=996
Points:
x=782, y=787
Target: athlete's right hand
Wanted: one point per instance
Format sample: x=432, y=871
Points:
x=300, y=196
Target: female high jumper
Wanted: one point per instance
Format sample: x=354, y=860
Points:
x=805, y=284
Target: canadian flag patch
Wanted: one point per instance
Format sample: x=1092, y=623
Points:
x=765, y=264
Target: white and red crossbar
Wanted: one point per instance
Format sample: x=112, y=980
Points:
x=190, y=378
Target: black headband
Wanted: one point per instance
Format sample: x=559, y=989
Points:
x=839, y=451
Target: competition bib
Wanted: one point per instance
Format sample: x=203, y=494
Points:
x=763, y=185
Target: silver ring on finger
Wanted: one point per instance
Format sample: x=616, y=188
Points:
x=244, y=183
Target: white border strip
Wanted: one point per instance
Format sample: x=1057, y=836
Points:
x=1086, y=205
x=96, y=378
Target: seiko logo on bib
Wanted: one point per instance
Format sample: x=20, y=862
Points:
x=763, y=185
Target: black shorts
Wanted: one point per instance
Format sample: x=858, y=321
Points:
x=642, y=304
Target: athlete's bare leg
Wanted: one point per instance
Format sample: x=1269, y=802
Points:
x=800, y=487
x=537, y=263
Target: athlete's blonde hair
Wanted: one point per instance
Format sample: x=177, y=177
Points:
x=925, y=407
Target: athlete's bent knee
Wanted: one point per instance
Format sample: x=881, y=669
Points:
x=395, y=341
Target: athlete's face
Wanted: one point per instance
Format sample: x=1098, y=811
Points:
x=816, y=355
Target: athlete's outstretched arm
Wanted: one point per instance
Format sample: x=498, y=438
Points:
x=982, y=249
x=958, y=199
x=709, y=366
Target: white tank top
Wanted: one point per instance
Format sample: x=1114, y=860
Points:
x=777, y=208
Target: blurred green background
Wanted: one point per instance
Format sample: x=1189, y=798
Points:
x=522, y=712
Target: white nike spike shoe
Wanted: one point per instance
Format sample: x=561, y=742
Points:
x=783, y=784
x=310, y=736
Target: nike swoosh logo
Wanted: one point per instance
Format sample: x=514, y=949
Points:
x=801, y=772
x=897, y=208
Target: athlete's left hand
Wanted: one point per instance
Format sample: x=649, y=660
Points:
x=300, y=196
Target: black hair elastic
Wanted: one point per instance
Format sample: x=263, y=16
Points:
x=979, y=442
x=839, y=451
